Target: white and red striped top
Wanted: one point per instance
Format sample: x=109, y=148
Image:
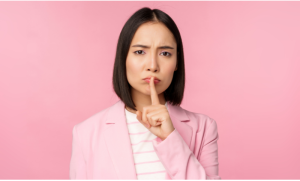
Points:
x=147, y=163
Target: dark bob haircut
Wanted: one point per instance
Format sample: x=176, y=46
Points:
x=174, y=93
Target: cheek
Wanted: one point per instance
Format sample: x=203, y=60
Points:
x=169, y=71
x=132, y=69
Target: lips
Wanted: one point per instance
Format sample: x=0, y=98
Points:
x=148, y=79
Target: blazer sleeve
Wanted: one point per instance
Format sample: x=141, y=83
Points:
x=181, y=163
x=77, y=163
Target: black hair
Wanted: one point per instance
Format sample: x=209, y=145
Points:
x=174, y=93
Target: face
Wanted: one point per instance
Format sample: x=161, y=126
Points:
x=151, y=60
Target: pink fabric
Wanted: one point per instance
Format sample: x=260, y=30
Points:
x=101, y=147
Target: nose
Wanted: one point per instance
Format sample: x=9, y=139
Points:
x=152, y=63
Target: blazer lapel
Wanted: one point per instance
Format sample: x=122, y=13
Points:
x=118, y=141
x=179, y=120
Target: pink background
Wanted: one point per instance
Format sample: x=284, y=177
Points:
x=242, y=69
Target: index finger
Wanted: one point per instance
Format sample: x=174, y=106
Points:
x=154, y=96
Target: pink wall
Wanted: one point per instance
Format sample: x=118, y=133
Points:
x=242, y=69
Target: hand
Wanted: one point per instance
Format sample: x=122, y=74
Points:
x=156, y=116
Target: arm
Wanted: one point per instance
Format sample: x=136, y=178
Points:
x=181, y=163
x=77, y=164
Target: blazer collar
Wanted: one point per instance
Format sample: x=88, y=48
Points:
x=118, y=141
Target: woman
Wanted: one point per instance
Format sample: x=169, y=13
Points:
x=146, y=134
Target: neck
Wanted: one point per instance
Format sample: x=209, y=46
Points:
x=142, y=100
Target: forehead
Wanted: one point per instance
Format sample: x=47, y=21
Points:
x=153, y=34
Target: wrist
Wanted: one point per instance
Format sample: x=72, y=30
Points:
x=162, y=139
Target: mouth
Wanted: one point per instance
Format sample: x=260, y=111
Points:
x=147, y=79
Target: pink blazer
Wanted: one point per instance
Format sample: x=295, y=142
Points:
x=101, y=147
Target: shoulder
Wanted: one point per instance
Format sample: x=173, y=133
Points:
x=203, y=121
x=93, y=122
x=206, y=129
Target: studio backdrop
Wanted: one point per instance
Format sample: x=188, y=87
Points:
x=242, y=64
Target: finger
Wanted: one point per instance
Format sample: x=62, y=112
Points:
x=156, y=120
x=154, y=117
x=154, y=96
x=144, y=118
x=153, y=108
x=139, y=117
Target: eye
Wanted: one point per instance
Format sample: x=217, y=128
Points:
x=138, y=51
x=167, y=53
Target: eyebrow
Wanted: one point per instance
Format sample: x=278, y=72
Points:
x=145, y=46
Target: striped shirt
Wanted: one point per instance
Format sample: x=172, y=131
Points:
x=146, y=161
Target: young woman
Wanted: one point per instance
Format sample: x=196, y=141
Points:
x=146, y=134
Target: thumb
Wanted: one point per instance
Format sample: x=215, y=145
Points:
x=138, y=115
